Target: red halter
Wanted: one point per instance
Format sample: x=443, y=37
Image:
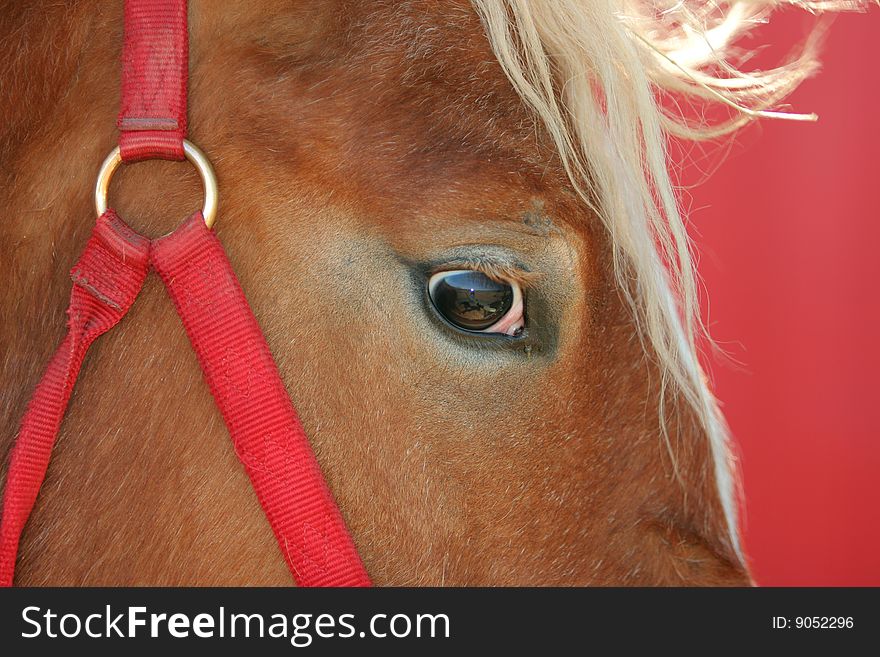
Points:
x=233, y=353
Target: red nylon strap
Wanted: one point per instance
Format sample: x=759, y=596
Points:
x=234, y=355
x=264, y=426
x=107, y=278
x=240, y=371
x=155, y=51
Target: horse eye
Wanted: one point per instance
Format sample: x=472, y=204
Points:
x=472, y=301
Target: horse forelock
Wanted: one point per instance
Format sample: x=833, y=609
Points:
x=592, y=72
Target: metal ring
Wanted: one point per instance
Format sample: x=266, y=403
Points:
x=193, y=154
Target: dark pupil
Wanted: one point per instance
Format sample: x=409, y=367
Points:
x=471, y=300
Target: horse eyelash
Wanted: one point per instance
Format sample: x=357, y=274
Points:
x=497, y=271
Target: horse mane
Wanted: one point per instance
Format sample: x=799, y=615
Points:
x=595, y=72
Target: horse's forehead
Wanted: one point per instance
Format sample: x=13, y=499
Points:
x=397, y=101
x=412, y=28
x=428, y=61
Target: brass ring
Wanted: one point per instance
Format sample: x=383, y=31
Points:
x=193, y=154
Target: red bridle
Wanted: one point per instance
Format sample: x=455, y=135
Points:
x=238, y=366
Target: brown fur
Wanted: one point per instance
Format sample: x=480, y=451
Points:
x=353, y=141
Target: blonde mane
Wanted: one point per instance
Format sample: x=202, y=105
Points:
x=595, y=72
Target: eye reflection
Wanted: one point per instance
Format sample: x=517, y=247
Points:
x=472, y=301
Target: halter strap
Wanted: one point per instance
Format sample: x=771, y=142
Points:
x=106, y=281
x=155, y=52
x=233, y=353
x=264, y=426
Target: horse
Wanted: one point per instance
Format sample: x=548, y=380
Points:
x=378, y=162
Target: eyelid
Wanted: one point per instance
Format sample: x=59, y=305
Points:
x=500, y=272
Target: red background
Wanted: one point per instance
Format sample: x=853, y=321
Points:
x=788, y=231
